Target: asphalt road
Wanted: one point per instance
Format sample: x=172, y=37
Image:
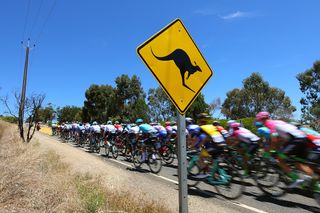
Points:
x=252, y=200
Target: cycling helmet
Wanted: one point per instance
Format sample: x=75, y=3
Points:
x=235, y=125
x=258, y=124
x=139, y=120
x=262, y=115
x=188, y=120
x=94, y=123
x=203, y=116
x=109, y=122
x=167, y=123
x=230, y=122
x=117, y=122
x=215, y=123
x=173, y=123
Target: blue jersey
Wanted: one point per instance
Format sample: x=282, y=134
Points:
x=194, y=130
x=310, y=131
x=145, y=128
x=264, y=132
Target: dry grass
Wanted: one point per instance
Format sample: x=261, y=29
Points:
x=31, y=181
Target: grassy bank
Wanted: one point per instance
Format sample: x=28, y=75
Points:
x=31, y=181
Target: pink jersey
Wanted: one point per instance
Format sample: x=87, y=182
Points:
x=284, y=129
x=169, y=128
x=245, y=135
x=159, y=128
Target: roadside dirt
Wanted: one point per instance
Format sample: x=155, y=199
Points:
x=145, y=186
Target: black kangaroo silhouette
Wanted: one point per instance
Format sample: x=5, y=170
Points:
x=183, y=62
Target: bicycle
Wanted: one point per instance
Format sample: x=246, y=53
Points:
x=280, y=187
x=146, y=153
x=221, y=174
x=167, y=151
x=109, y=146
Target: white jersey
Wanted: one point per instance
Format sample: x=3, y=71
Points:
x=96, y=129
x=175, y=128
x=87, y=126
x=68, y=126
x=110, y=128
x=134, y=130
x=81, y=128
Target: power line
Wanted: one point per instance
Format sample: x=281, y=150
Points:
x=36, y=18
x=46, y=20
x=26, y=21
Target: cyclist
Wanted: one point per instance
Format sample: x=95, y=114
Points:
x=294, y=143
x=245, y=142
x=264, y=133
x=209, y=141
x=146, y=131
x=220, y=128
x=193, y=132
x=162, y=133
x=118, y=126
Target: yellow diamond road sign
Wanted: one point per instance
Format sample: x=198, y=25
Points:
x=177, y=63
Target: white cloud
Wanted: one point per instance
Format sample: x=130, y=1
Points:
x=235, y=15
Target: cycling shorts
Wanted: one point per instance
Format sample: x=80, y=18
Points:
x=297, y=147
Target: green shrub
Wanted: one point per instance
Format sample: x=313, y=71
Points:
x=10, y=119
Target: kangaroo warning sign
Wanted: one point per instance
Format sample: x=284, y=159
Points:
x=176, y=62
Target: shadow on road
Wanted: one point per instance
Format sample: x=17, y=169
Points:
x=170, y=166
x=282, y=202
x=138, y=169
x=201, y=193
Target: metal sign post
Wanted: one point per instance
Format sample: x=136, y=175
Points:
x=182, y=164
x=169, y=55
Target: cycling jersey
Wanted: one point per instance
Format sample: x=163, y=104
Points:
x=169, y=129
x=87, y=126
x=265, y=133
x=145, y=128
x=118, y=127
x=110, y=128
x=175, y=128
x=213, y=132
x=95, y=129
x=222, y=131
x=245, y=135
x=159, y=128
x=284, y=130
x=81, y=128
x=310, y=131
x=134, y=130
x=194, y=130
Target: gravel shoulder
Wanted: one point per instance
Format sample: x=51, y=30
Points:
x=116, y=177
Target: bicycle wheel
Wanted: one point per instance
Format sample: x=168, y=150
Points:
x=271, y=180
x=97, y=148
x=106, y=149
x=193, y=170
x=137, y=158
x=114, y=151
x=168, y=156
x=154, y=162
x=128, y=153
x=316, y=196
x=234, y=187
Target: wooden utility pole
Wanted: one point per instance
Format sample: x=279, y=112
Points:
x=23, y=92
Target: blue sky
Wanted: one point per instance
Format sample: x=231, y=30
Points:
x=93, y=42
